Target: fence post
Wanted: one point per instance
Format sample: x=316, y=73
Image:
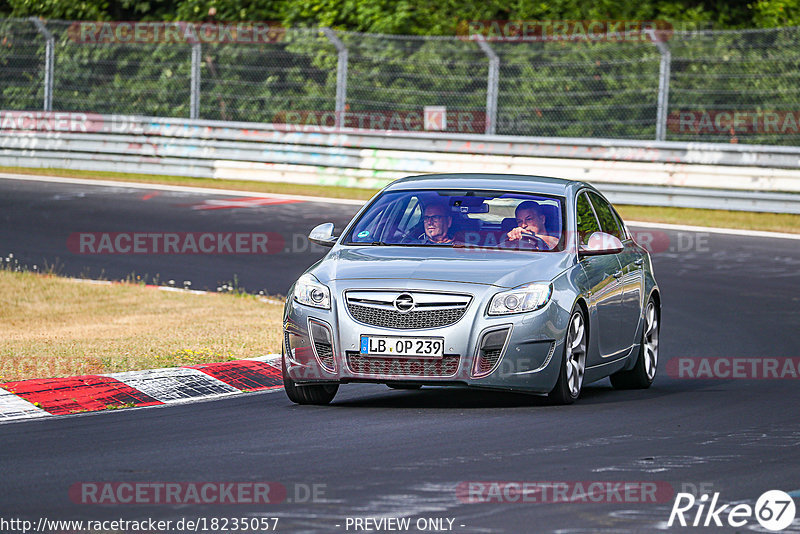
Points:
x=194, y=97
x=341, y=74
x=49, y=62
x=491, y=88
x=662, y=107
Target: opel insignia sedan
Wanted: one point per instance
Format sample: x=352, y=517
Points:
x=504, y=282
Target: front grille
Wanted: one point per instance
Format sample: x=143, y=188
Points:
x=431, y=310
x=487, y=359
x=417, y=367
x=325, y=354
x=405, y=321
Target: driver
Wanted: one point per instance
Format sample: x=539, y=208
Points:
x=530, y=223
x=437, y=224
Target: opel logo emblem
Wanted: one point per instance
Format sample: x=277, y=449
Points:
x=404, y=303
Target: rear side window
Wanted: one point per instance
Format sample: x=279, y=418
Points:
x=587, y=223
x=608, y=221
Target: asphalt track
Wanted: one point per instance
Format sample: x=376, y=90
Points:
x=382, y=453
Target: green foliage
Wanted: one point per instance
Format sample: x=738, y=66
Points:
x=59, y=9
x=774, y=13
x=434, y=17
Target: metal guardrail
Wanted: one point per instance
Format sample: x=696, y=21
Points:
x=641, y=83
x=737, y=177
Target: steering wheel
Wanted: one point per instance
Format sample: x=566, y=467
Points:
x=532, y=241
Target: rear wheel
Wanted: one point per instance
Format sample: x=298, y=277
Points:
x=643, y=373
x=573, y=364
x=319, y=394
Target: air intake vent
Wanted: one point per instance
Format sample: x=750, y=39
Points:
x=490, y=350
x=406, y=310
x=405, y=367
x=322, y=339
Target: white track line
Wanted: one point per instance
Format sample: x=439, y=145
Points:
x=714, y=230
x=266, y=300
x=327, y=200
x=177, y=188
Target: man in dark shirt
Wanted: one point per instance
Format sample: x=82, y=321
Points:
x=531, y=223
x=437, y=223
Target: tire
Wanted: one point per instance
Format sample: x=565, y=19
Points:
x=644, y=371
x=320, y=394
x=573, y=363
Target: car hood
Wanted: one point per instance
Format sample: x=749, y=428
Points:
x=501, y=268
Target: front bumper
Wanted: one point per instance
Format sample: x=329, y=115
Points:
x=529, y=357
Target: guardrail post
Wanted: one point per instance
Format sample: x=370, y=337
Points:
x=662, y=107
x=49, y=62
x=341, y=74
x=491, y=88
x=194, y=97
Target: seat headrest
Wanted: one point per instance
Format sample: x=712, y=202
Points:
x=508, y=224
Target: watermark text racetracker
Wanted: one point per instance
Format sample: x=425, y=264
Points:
x=177, y=32
x=185, y=493
x=734, y=367
x=566, y=30
x=150, y=242
x=550, y=492
x=188, y=243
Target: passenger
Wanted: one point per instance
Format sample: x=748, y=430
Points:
x=531, y=223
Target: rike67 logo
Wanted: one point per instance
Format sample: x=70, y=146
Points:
x=774, y=510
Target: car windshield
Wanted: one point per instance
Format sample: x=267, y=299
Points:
x=486, y=219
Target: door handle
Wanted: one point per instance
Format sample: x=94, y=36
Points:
x=638, y=261
x=618, y=274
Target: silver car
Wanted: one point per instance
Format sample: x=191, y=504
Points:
x=504, y=282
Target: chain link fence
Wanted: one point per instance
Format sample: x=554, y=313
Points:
x=708, y=86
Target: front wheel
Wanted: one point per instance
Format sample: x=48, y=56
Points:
x=573, y=364
x=320, y=394
x=643, y=373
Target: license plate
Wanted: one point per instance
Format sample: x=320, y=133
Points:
x=414, y=347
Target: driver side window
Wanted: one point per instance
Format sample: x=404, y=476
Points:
x=587, y=222
x=608, y=221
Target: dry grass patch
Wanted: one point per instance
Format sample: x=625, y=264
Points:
x=52, y=326
x=330, y=191
x=745, y=220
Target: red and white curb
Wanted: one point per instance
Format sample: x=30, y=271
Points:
x=28, y=399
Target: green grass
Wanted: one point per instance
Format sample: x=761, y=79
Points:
x=773, y=222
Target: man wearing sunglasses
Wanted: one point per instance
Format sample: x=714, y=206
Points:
x=437, y=222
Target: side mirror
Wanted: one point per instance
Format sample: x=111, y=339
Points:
x=323, y=235
x=601, y=243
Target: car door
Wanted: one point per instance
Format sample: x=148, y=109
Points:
x=631, y=261
x=604, y=287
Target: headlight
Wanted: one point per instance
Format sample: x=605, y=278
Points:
x=309, y=291
x=521, y=299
